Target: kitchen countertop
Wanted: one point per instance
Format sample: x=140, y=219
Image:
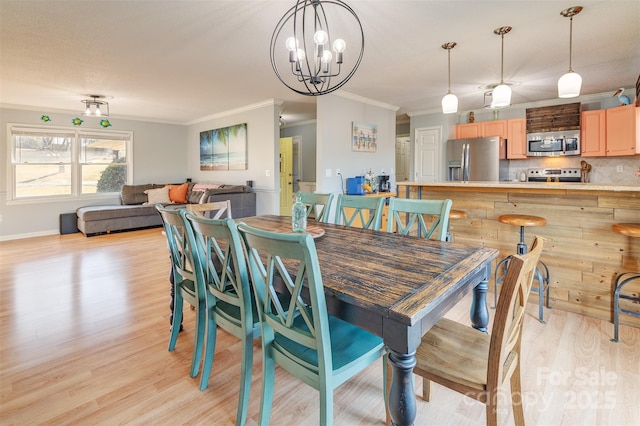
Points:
x=531, y=185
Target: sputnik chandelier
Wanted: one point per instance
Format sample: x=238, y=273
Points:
x=306, y=56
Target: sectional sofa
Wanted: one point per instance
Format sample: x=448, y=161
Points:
x=137, y=205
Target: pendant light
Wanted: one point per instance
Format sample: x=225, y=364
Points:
x=502, y=93
x=570, y=83
x=450, y=101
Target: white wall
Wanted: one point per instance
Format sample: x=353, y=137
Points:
x=263, y=153
x=158, y=156
x=335, y=116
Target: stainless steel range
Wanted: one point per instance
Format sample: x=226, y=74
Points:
x=554, y=175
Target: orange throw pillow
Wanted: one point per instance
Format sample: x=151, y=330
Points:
x=178, y=193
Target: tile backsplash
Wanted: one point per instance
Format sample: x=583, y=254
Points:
x=603, y=169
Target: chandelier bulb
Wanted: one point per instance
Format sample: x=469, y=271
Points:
x=339, y=45
x=321, y=37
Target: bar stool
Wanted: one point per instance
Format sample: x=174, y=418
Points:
x=542, y=271
x=624, y=278
x=454, y=214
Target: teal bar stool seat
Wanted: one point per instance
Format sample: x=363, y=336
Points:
x=631, y=230
x=299, y=335
x=542, y=271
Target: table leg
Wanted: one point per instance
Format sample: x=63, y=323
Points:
x=479, y=311
x=402, y=398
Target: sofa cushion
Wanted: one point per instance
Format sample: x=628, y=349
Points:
x=158, y=195
x=91, y=213
x=178, y=193
x=134, y=194
x=194, y=197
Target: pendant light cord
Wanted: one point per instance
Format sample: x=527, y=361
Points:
x=570, y=41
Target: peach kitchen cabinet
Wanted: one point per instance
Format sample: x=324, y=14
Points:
x=621, y=131
x=482, y=130
x=516, y=138
x=593, y=134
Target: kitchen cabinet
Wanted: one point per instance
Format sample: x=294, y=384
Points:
x=468, y=131
x=516, y=138
x=593, y=134
x=621, y=131
x=482, y=129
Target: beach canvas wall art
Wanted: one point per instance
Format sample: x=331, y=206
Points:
x=224, y=148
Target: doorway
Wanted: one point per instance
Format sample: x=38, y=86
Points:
x=428, y=154
x=286, y=176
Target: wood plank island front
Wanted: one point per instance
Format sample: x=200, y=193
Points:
x=582, y=252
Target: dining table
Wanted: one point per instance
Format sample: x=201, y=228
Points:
x=396, y=287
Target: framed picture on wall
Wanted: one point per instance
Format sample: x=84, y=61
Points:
x=224, y=148
x=365, y=137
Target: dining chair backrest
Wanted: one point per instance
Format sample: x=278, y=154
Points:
x=426, y=218
x=299, y=253
x=186, y=286
x=506, y=334
x=298, y=334
x=221, y=266
x=357, y=210
x=181, y=256
x=212, y=210
x=318, y=205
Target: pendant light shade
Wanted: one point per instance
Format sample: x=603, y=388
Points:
x=450, y=101
x=569, y=84
x=501, y=96
x=449, y=104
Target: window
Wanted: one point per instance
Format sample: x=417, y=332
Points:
x=57, y=162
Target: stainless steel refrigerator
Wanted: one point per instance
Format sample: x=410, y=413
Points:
x=481, y=159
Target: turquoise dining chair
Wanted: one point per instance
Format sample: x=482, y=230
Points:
x=300, y=336
x=220, y=266
x=354, y=210
x=426, y=218
x=318, y=205
x=186, y=287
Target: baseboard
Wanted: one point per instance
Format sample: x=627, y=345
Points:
x=29, y=235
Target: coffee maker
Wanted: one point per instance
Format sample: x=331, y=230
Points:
x=383, y=183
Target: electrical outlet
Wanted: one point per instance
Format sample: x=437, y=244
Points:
x=267, y=173
x=327, y=173
x=338, y=172
x=620, y=168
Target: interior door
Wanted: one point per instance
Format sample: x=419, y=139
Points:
x=403, y=161
x=286, y=176
x=427, y=154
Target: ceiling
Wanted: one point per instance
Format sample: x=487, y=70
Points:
x=182, y=61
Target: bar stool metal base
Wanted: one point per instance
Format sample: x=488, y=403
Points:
x=622, y=280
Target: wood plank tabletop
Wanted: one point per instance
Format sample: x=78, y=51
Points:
x=393, y=276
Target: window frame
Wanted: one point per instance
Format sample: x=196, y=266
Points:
x=76, y=162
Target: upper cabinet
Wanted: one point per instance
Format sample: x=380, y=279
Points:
x=593, y=134
x=621, y=131
x=610, y=132
x=516, y=138
x=482, y=129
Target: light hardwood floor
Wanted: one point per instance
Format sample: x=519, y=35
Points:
x=84, y=331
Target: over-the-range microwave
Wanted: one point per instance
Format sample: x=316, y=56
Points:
x=551, y=144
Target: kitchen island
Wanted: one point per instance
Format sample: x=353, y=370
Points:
x=582, y=252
